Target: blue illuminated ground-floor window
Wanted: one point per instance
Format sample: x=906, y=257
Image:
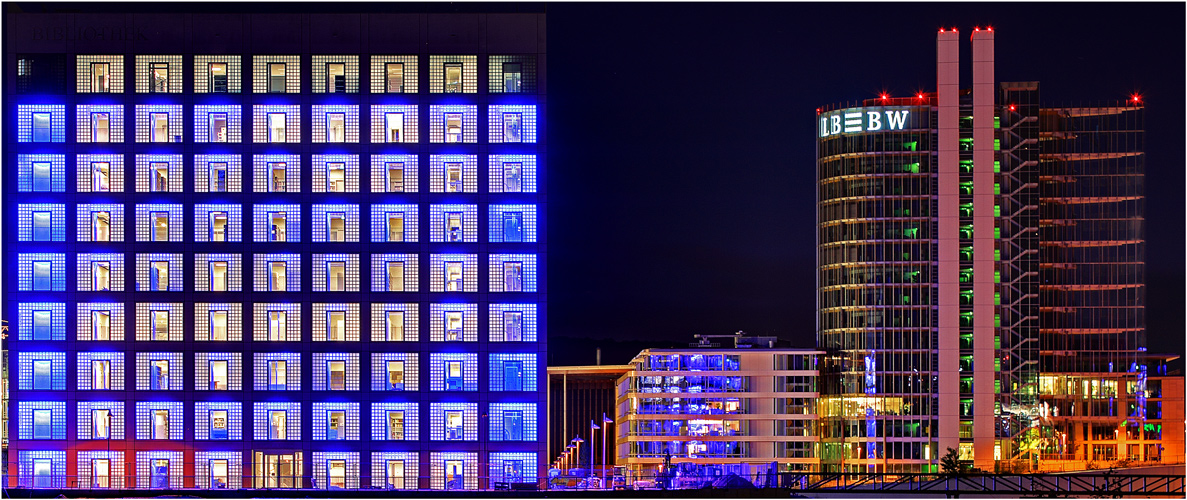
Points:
x=454, y=474
x=394, y=470
x=513, y=471
x=42, y=473
x=336, y=474
x=218, y=474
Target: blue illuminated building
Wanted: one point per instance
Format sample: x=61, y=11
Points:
x=263, y=250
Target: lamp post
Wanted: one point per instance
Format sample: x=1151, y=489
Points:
x=606, y=422
x=577, y=454
x=593, y=438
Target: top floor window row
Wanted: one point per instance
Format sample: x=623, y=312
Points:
x=331, y=74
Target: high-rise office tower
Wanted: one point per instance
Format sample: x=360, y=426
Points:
x=980, y=277
x=275, y=250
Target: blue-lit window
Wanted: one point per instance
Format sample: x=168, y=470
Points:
x=218, y=419
x=512, y=177
x=453, y=177
x=159, y=127
x=100, y=127
x=100, y=176
x=513, y=375
x=159, y=376
x=42, y=475
x=41, y=325
x=218, y=127
x=276, y=120
x=513, y=426
x=41, y=226
x=454, y=425
x=277, y=226
x=41, y=127
x=395, y=375
x=512, y=227
x=158, y=276
x=42, y=175
x=42, y=378
x=395, y=425
x=278, y=370
x=218, y=176
x=455, y=325
x=453, y=127
x=512, y=78
x=277, y=423
x=160, y=424
x=160, y=226
x=335, y=425
x=513, y=471
x=512, y=127
x=42, y=427
x=454, y=376
x=41, y=275
x=513, y=276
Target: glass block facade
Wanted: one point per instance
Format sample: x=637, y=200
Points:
x=162, y=239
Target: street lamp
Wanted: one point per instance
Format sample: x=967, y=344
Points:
x=577, y=458
x=606, y=422
x=593, y=433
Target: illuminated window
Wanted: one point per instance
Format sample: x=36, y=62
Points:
x=159, y=171
x=159, y=375
x=395, y=423
x=276, y=124
x=101, y=325
x=101, y=276
x=41, y=127
x=276, y=231
x=335, y=425
x=218, y=127
x=218, y=325
x=454, y=377
x=394, y=474
x=41, y=325
x=218, y=418
x=218, y=177
x=218, y=77
x=454, y=276
x=101, y=375
x=336, y=275
x=395, y=276
x=395, y=126
x=512, y=227
x=276, y=279
x=100, y=226
x=512, y=127
x=160, y=77
x=160, y=325
x=218, y=375
x=277, y=184
x=395, y=177
x=100, y=473
x=395, y=226
x=276, y=73
x=453, y=78
x=42, y=176
x=336, y=177
x=453, y=127
x=277, y=375
x=337, y=225
x=158, y=275
x=513, y=276
x=512, y=77
x=513, y=426
x=395, y=326
x=218, y=276
x=100, y=424
x=512, y=326
x=41, y=226
x=42, y=378
x=335, y=78
x=100, y=176
x=453, y=226
x=100, y=127
x=100, y=77
x=336, y=325
x=512, y=177
x=394, y=78
x=218, y=474
x=277, y=325
x=41, y=276
x=160, y=424
x=277, y=422
x=395, y=376
x=218, y=226
x=335, y=127
x=454, y=428
x=453, y=177
x=159, y=129
x=512, y=375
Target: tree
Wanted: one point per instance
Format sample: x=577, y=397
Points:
x=950, y=463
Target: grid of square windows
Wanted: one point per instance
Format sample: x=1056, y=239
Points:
x=41, y=123
x=332, y=74
x=453, y=470
x=335, y=123
x=276, y=421
x=511, y=223
x=100, y=173
x=510, y=467
x=452, y=371
x=41, y=272
x=276, y=173
x=276, y=371
x=218, y=420
x=41, y=469
x=222, y=173
x=218, y=223
x=394, y=124
x=158, y=173
x=276, y=123
x=100, y=470
x=453, y=272
x=394, y=173
x=453, y=421
x=100, y=371
x=335, y=322
x=221, y=123
x=511, y=123
x=335, y=421
x=453, y=124
x=275, y=323
x=218, y=74
x=453, y=74
x=511, y=173
x=160, y=420
x=512, y=421
x=41, y=419
x=335, y=272
x=395, y=422
x=100, y=321
x=100, y=222
x=218, y=371
x=335, y=223
x=159, y=272
x=453, y=223
x=218, y=322
x=100, y=272
x=334, y=173
x=394, y=371
x=276, y=223
x=42, y=173
x=512, y=74
x=395, y=322
x=335, y=371
x=41, y=222
x=218, y=272
x=160, y=222
x=512, y=323
x=100, y=420
x=218, y=469
x=512, y=272
x=159, y=469
x=277, y=272
x=394, y=74
x=395, y=470
x=336, y=470
x=41, y=371
x=99, y=123
x=160, y=371
x=41, y=321
x=99, y=74
x=453, y=322
x=513, y=372
x=159, y=123
x=159, y=74
x=394, y=272
x=276, y=74
x=394, y=223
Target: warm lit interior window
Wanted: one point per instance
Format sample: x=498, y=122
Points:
x=454, y=276
x=218, y=226
x=101, y=325
x=218, y=127
x=453, y=426
x=100, y=176
x=101, y=226
x=337, y=226
x=160, y=226
x=395, y=126
x=395, y=326
x=335, y=127
x=218, y=326
x=101, y=276
x=395, y=77
x=336, y=326
x=453, y=127
x=395, y=375
x=395, y=276
x=159, y=126
x=277, y=184
x=159, y=327
x=218, y=77
x=395, y=226
x=276, y=231
x=160, y=77
x=453, y=177
x=218, y=375
x=159, y=173
x=218, y=276
x=336, y=276
x=453, y=326
x=100, y=127
x=100, y=77
x=276, y=127
x=336, y=177
x=453, y=78
x=395, y=177
x=453, y=226
x=276, y=281
x=158, y=275
x=335, y=78
x=337, y=373
x=276, y=73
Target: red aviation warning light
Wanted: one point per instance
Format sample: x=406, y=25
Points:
x=1011, y=107
x=1136, y=98
x=884, y=96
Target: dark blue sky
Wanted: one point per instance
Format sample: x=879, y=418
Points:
x=681, y=147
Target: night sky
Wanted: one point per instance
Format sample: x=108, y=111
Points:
x=681, y=146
